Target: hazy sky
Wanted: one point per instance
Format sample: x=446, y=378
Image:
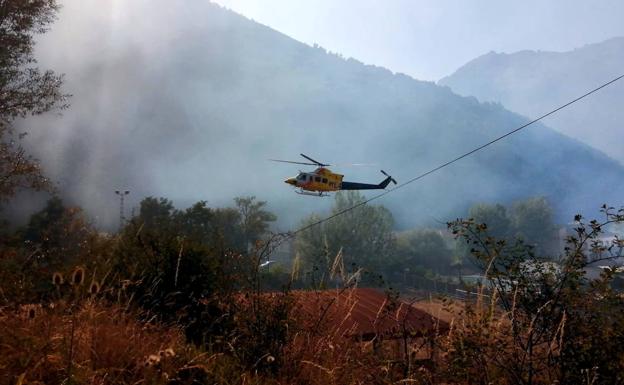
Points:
x=429, y=39
x=150, y=74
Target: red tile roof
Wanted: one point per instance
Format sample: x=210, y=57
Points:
x=362, y=313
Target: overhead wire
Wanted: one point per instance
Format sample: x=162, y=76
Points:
x=458, y=158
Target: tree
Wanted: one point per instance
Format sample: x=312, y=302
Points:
x=56, y=239
x=364, y=234
x=529, y=220
x=60, y=233
x=560, y=325
x=424, y=248
x=154, y=212
x=187, y=264
x=311, y=245
x=254, y=219
x=532, y=221
x=494, y=215
x=24, y=90
x=221, y=227
x=170, y=254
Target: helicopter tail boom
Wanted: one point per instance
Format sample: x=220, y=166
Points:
x=368, y=186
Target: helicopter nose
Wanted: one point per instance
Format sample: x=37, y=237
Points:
x=291, y=181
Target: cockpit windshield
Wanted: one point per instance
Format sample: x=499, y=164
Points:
x=301, y=176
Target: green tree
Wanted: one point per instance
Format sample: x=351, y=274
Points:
x=494, y=215
x=364, y=234
x=220, y=227
x=187, y=260
x=228, y=234
x=311, y=245
x=532, y=221
x=155, y=212
x=254, y=219
x=529, y=220
x=55, y=239
x=171, y=257
x=562, y=326
x=61, y=234
x=24, y=90
x=424, y=248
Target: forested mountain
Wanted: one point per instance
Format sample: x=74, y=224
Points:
x=199, y=120
x=531, y=83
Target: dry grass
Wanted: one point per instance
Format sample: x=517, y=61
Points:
x=96, y=343
x=92, y=344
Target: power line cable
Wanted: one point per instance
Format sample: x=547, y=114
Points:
x=481, y=147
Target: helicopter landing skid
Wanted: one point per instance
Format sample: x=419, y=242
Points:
x=314, y=194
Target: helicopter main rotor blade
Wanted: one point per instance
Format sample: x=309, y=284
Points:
x=315, y=161
x=356, y=164
x=290, y=161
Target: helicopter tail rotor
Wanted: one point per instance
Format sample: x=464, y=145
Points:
x=391, y=179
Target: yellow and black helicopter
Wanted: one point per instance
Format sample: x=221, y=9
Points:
x=321, y=181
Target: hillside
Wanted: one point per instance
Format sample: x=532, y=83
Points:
x=531, y=83
x=198, y=120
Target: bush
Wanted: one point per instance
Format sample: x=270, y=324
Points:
x=546, y=322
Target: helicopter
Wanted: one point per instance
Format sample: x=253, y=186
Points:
x=321, y=181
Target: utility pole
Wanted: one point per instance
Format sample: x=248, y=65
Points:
x=122, y=195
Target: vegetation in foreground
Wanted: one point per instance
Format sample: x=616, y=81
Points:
x=171, y=299
x=177, y=296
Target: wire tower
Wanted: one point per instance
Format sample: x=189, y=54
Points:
x=122, y=195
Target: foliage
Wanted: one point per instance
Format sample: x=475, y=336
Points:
x=189, y=267
x=83, y=338
x=363, y=235
x=530, y=220
x=424, y=248
x=56, y=239
x=495, y=216
x=542, y=334
x=254, y=219
x=92, y=342
x=177, y=259
x=24, y=90
x=170, y=300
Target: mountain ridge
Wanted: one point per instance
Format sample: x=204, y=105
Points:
x=532, y=82
x=194, y=115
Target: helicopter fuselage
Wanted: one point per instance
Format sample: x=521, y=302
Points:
x=321, y=179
